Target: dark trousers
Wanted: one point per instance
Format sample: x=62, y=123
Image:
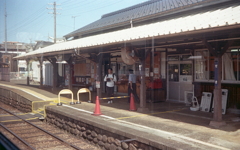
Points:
x=133, y=91
x=110, y=91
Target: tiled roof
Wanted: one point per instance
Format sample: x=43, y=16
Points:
x=222, y=17
x=149, y=8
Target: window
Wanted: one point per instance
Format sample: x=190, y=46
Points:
x=185, y=69
x=173, y=72
x=235, y=54
x=201, y=65
x=231, y=65
x=204, y=65
x=173, y=58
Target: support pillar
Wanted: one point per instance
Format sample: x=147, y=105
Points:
x=217, y=116
x=142, y=107
x=41, y=71
x=28, y=68
x=152, y=69
x=70, y=73
x=53, y=61
x=99, y=74
x=217, y=51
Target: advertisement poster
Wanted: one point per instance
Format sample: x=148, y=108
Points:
x=156, y=70
x=147, y=72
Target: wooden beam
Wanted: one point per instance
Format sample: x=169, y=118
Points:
x=28, y=68
x=152, y=68
x=218, y=51
x=40, y=59
x=99, y=74
x=209, y=47
x=69, y=61
x=55, y=73
x=142, y=107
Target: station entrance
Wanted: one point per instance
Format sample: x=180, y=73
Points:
x=180, y=77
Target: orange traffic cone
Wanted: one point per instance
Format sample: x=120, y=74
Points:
x=132, y=103
x=97, y=111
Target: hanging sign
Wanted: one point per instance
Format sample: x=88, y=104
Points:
x=98, y=84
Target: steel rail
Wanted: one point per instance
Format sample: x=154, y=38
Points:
x=115, y=97
x=43, y=130
x=22, y=140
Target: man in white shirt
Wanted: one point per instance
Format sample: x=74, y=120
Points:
x=110, y=78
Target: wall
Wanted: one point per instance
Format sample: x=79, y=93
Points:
x=95, y=135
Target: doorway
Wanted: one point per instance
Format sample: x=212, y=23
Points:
x=180, y=75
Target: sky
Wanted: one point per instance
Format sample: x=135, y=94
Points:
x=30, y=20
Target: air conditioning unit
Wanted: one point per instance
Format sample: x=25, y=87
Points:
x=188, y=96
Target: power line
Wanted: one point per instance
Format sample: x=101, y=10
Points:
x=55, y=17
x=37, y=22
x=29, y=18
x=78, y=4
x=95, y=8
x=24, y=24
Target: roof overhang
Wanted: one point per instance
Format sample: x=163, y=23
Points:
x=212, y=20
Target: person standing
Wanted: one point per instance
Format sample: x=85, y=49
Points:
x=132, y=86
x=110, y=78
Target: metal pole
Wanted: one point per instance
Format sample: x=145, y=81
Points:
x=74, y=22
x=28, y=68
x=17, y=62
x=54, y=12
x=5, y=28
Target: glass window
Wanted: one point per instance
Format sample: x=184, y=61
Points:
x=173, y=72
x=173, y=58
x=185, y=57
x=201, y=65
x=185, y=69
x=230, y=65
x=204, y=65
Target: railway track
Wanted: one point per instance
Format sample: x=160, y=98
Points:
x=40, y=136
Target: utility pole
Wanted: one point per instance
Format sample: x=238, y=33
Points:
x=55, y=17
x=74, y=22
x=5, y=17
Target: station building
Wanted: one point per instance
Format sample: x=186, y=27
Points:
x=174, y=46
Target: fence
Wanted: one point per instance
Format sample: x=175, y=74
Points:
x=16, y=75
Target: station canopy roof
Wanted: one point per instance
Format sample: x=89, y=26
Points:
x=138, y=13
x=218, y=18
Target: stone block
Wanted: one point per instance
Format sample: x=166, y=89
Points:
x=104, y=138
x=132, y=147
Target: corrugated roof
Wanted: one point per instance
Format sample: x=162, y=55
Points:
x=151, y=7
x=223, y=17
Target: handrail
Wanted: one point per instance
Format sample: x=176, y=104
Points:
x=65, y=91
x=83, y=90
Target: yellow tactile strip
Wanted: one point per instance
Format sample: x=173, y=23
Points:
x=41, y=100
x=36, y=94
x=28, y=91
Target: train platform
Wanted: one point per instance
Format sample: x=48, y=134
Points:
x=167, y=125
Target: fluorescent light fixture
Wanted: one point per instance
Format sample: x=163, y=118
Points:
x=61, y=62
x=195, y=57
x=234, y=50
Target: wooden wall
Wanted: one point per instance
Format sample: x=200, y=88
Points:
x=233, y=92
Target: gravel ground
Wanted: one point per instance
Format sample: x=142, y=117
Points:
x=38, y=139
